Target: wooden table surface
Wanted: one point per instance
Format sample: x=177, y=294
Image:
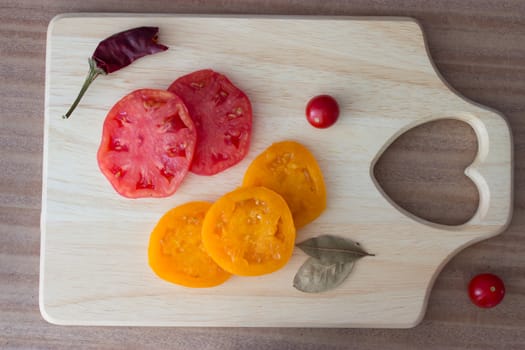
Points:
x=478, y=48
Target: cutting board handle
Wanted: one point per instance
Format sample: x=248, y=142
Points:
x=490, y=169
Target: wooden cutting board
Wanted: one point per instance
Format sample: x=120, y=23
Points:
x=94, y=268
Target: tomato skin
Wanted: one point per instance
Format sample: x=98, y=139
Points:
x=322, y=111
x=486, y=290
x=222, y=114
x=147, y=144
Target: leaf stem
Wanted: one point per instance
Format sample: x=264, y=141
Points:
x=93, y=73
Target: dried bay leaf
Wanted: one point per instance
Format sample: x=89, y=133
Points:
x=315, y=276
x=329, y=249
x=331, y=261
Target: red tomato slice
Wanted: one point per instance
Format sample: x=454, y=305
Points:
x=222, y=114
x=148, y=142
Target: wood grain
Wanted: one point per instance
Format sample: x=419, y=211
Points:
x=89, y=230
x=476, y=46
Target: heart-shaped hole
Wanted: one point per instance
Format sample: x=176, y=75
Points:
x=423, y=172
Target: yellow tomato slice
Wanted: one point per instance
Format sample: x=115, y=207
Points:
x=249, y=231
x=176, y=252
x=289, y=169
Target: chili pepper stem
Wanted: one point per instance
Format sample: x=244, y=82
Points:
x=93, y=73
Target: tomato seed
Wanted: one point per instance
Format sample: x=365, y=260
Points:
x=145, y=183
x=118, y=171
x=122, y=118
x=116, y=145
x=176, y=151
x=219, y=156
x=152, y=103
x=308, y=179
x=167, y=174
x=220, y=97
x=230, y=138
x=196, y=85
x=172, y=124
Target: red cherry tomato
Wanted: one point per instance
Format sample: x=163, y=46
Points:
x=322, y=111
x=223, y=117
x=147, y=145
x=486, y=290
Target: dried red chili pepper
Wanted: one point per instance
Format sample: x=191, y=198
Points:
x=118, y=51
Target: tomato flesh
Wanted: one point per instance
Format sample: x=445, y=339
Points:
x=147, y=145
x=322, y=111
x=486, y=290
x=291, y=170
x=176, y=252
x=222, y=114
x=249, y=231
